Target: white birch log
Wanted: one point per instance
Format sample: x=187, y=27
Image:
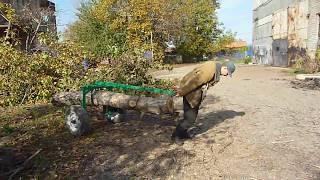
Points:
x=159, y=105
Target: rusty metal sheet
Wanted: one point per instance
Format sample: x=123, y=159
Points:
x=297, y=31
x=280, y=24
x=298, y=24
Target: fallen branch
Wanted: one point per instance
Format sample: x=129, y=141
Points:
x=24, y=164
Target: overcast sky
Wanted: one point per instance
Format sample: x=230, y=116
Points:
x=236, y=15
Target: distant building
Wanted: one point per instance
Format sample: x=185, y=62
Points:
x=285, y=30
x=236, y=50
x=48, y=24
x=237, y=45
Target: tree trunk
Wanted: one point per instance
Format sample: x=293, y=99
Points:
x=160, y=105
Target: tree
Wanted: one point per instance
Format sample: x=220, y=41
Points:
x=200, y=28
x=30, y=20
x=95, y=35
x=147, y=25
x=7, y=14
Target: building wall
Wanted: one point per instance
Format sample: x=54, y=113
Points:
x=262, y=40
x=297, y=31
x=270, y=6
x=313, y=30
x=294, y=23
x=280, y=24
x=258, y=3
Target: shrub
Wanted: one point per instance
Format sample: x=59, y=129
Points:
x=36, y=77
x=317, y=60
x=306, y=64
x=30, y=78
x=247, y=60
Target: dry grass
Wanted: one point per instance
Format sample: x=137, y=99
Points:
x=123, y=150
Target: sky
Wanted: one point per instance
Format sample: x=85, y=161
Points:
x=236, y=15
x=66, y=12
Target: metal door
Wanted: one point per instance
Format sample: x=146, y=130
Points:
x=280, y=52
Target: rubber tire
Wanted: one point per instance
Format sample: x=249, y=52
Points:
x=115, y=118
x=77, y=120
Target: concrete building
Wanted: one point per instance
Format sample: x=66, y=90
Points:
x=48, y=23
x=285, y=30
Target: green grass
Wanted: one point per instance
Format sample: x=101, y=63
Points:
x=241, y=61
x=28, y=129
x=294, y=71
x=7, y=129
x=31, y=128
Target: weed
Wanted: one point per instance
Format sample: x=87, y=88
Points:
x=7, y=129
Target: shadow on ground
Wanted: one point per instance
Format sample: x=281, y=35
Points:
x=212, y=119
x=133, y=148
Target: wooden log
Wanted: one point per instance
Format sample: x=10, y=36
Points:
x=159, y=105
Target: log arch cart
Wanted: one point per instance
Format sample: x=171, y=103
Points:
x=102, y=93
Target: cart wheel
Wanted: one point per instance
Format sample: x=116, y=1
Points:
x=115, y=117
x=77, y=120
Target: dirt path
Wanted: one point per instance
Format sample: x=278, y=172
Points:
x=255, y=126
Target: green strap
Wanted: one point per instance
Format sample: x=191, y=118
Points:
x=110, y=85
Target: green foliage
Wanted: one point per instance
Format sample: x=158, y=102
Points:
x=129, y=68
x=36, y=77
x=247, y=60
x=222, y=41
x=306, y=64
x=117, y=31
x=199, y=31
x=95, y=36
x=7, y=129
x=110, y=28
x=7, y=12
x=30, y=78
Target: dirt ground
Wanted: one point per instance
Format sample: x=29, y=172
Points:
x=252, y=126
x=256, y=126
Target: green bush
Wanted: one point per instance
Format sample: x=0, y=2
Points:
x=247, y=60
x=306, y=64
x=7, y=129
x=30, y=78
x=36, y=77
